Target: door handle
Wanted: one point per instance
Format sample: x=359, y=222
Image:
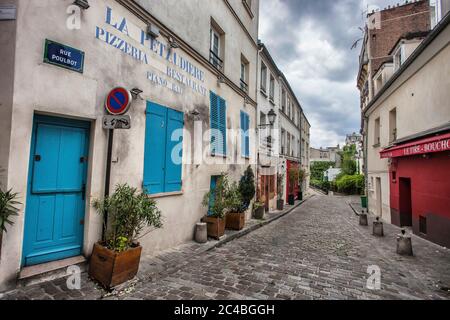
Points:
x=83, y=191
x=37, y=158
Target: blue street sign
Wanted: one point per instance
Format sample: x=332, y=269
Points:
x=63, y=56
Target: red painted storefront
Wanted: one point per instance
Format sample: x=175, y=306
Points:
x=420, y=187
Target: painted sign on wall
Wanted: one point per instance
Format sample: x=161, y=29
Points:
x=430, y=145
x=175, y=71
x=63, y=56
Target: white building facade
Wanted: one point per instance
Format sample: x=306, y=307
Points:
x=53, y=147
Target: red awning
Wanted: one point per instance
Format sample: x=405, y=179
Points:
x=429, y=145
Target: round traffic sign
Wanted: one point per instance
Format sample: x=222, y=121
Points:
x=118, y=101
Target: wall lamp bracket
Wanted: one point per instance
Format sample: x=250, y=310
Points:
x=83, y=4
x=135, y=92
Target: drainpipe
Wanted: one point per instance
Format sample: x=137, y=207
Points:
x=365, y=148
x=258, y=53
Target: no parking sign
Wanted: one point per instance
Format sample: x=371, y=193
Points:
x=118, y=101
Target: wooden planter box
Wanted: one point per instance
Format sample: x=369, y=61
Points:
x=112, y=268
x=235, y=221
x=216, y=227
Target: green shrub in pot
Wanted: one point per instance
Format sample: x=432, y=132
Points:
x=116, y=259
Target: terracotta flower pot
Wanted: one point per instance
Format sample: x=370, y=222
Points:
x=216, y=227
x=112, y=268
x=259, y=213
x=235, y=221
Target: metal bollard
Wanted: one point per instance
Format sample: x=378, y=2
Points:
x=404, y=244
x=363, y=221
x=378, y=229
x=201, y=232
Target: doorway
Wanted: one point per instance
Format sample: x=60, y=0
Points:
x=55, y=206
x=405, y=202
x=267, y=190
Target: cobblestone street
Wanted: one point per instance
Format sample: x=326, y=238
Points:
x=316, y=252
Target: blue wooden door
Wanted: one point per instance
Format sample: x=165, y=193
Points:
x=55, y=209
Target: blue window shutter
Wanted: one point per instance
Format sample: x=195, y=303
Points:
x=174, y=151
x=223, y=126
x=245, y=126
x=214, y=123
x=243, y=146
x=247, y=135
x=154, y=151
x=218, y=125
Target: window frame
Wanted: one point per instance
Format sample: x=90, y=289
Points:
x=271, y=88
x=377, y=132
x=263, y=84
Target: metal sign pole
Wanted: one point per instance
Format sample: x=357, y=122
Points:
x=108, y=175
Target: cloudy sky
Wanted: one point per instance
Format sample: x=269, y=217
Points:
x=311, y=40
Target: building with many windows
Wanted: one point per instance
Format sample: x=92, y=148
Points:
x=192, y=106
x=290, y=120
x=386, y=31
x=356, y=140
x=329, y=154
x=406, y=127
x=268, y=110
x=283, y=130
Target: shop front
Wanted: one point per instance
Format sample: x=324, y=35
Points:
x=420, y=187
x=292, y=188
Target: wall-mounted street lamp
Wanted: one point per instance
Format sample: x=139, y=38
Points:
x=83, y=4
x=173, y=44
x=272, y=117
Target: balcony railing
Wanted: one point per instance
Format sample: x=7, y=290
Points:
x=244, y=86
x=215, y=60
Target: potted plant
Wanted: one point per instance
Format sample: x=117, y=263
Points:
x=8, y=209
x=301, y=179
x=259, y=210
x=215, y=200
x=247, y=187
x=280, y=187
x=116, y=258
x=293, y=180
x=235, y=217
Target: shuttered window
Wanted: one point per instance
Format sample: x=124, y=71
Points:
x=163, y=150
x=218, y=125
x=245, y=134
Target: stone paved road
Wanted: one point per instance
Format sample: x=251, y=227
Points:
x=317, y=252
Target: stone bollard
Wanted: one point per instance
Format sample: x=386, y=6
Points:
x=201, y=232
x=378, y=228
x=363, y=219
x=404, y=244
